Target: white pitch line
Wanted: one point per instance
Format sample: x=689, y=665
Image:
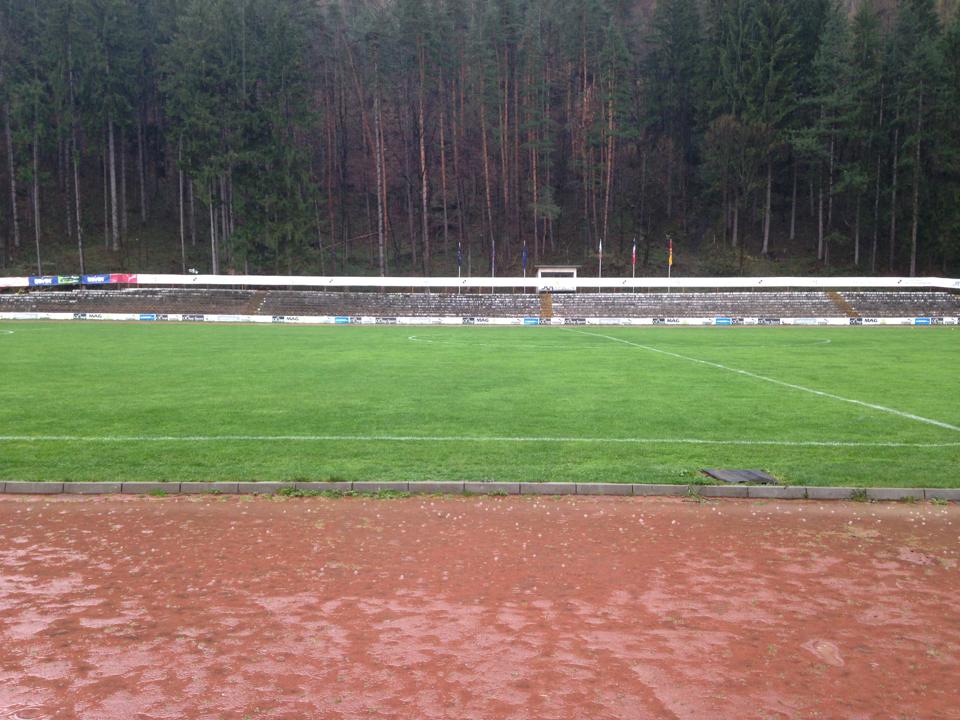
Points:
x=755, y=376
x=463, y=438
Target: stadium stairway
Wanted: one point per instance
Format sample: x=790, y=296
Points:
x=546, y=306
x=842, y=304
x=255, y=305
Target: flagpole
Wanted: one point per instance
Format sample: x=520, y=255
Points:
x=633, y=264
x=524, y=258
x=600, y=254
x=669, y=261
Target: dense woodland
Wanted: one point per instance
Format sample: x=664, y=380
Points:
x=410, y=136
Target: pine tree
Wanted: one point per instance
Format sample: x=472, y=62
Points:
x=917, y=33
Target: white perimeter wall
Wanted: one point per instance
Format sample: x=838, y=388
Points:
x=513, y=283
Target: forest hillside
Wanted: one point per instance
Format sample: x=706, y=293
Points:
x=427, y=136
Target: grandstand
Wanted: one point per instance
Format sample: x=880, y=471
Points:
x=544, y=306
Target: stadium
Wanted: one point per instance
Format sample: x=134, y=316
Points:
x=475, y=501
x=487, y=360
x=750, y=359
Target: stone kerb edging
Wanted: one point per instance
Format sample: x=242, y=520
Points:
x=767, y=492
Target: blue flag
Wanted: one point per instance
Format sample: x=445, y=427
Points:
x=459, y=255
x=524, y=258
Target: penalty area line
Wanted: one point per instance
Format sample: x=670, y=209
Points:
x=774, y=381
x=463, y=439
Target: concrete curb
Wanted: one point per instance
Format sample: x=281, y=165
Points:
x=322, y=486
x=491, y=488
x=437, y=488
x=830, y=493
x=895, y=494
x=33, y=488
x=214, y=488
x=92, y=488
x=264, y=488
x=661, y=490
x=145, y=488
x=548, y=488
x=604, y=489
x=721, y=491
x=772, y=492
x=757, y=492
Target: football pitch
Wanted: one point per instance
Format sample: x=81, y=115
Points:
x=814, y=406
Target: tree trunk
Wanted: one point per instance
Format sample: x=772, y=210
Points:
x=142, y=174
x=504, y=156
x=424, y=177
x=916, y=186
x=36, y=195
x=643, y=191
x=518, y=228
x=183, y=234
x=331, y=169
x=378, y=161
x=193, y=212
x=114, y=220
x=457, y=179
x=106, y=202
x=793, y=205
x=820, y=249
x=736, y=220
x=669, y=188
x=856, y=232
x=830, y=183
x=876, y=198
x=768, y=205
x=67, y=184
x=609, y=174
x=75, y=155
x=11, y=166
x=123, y=185
x=534, y=181
x=214, y=255
x=443, y=169
x=316, y=214
x=384, y=197
x=893, y=198
x=224, y=221
x=486, y=186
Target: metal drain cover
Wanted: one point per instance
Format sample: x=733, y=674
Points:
x=738, y=477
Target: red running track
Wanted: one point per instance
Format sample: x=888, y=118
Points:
x=574, y=607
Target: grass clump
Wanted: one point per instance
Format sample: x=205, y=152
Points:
x=293, y=492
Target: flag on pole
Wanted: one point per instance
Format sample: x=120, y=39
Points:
x=670, y=252
x=633, y=255
x=459, y=257
x=524, y=257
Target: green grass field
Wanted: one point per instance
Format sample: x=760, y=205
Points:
x=817, y=406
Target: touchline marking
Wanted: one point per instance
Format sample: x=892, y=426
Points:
x=755, y=376
x=462, y=438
